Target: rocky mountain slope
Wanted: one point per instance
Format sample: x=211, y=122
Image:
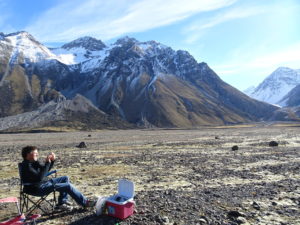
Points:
x=276, y=86
x=21, y=90
x=286, y=114
x=77, y=113
x=144, y=83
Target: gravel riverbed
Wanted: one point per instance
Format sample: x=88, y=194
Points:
x=181, y=177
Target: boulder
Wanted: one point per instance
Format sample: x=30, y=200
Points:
x=235, y=148
x=81, y=145
x=234, y=214
x=255, y=205
x=273, y=143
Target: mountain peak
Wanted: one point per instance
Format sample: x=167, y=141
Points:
x=126, y=40
x=281, y=72
x=277, y=85
x=22, y=35
x=22, y=47
x=89, y=43
x=282, y=68
x=18, y=33
x=286, y=74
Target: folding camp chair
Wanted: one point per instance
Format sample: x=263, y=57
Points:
x=35, y=199
x=20, y=219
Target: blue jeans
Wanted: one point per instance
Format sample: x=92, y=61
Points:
x=64, y=187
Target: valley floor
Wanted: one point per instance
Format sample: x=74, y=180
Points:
x=181, y=177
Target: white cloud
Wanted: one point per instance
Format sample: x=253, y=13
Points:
x=245, y=71
x=108, y=19
x=195, y=30
x=289, y=56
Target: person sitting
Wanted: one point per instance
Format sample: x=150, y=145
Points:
x=32, y=171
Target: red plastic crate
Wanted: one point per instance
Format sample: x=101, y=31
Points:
x=121, y=205
x=120, y=211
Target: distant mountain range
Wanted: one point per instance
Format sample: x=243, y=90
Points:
x=140, y=83
x=281, y=88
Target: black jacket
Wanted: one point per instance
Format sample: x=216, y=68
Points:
x=35, y=173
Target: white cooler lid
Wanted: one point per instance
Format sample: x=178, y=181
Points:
x=126, y=188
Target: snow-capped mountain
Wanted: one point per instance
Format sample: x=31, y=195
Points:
x=23, y=48
x=144, y=83
x=277, y=85
x=292, y=98
x=80, y=50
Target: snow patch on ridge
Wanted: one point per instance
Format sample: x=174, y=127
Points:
x=78, y=55
x=23, y=44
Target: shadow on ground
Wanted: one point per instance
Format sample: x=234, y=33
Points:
x=79, y=216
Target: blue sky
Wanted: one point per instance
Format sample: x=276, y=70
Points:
x=243, y=41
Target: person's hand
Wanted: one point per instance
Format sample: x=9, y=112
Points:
x=48, y=158
x=53, y=157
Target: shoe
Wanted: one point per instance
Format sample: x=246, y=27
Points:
x=64, y=207
x=90, y=203
x=68, y=203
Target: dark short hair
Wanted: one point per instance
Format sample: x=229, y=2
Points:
x=26, y=150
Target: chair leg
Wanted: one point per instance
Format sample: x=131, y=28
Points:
x=23, y=202
x=37, y=204
x=54, y=197
x=26, y=201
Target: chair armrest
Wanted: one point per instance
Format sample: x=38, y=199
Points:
x=51, y=172
x=29, y=184
x=48, y=174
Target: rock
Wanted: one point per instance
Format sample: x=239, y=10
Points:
x=203, y=221
x=76, y=165
x=81, y=145
x=165, y=219
x=241, y=220
x=255, y=205
x=235, y=148
x=280, y=212
x=273, y=143
x=234, y=214
x=158, y=219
